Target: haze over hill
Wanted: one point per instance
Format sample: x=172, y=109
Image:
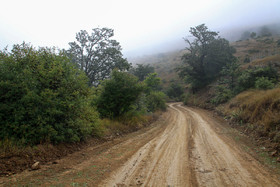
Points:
x=231, y=33
x=141, y=27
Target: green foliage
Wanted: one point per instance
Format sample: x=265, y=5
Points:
x=248, y=78
x=141, y=71
x=156, y=101
x=226, y=88
x=230, y=74
x=175, y=90
x=208, y=54
x=97, y=54
x=152, y=83
x=43, y=98
x=223, y=94
x=118, y=94
x=123, y=96
x=264, y=83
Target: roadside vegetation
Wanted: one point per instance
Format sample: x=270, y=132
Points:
x=50, y=96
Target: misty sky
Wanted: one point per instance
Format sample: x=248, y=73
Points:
x=138, y=24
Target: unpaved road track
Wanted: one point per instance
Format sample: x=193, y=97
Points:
x=185, y=147
x=191, y=152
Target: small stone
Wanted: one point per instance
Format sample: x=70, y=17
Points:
x=35, y=166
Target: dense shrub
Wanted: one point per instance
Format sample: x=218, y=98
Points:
x=156, y=101
x=248, y=78
x=175, y=91
x=264, y=83
x=223, y=94
x=152, y=83
x=43, y=98
x=118, y=94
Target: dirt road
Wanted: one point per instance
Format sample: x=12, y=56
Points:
x=185, y=147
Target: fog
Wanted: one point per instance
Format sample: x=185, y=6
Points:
x=141, y=26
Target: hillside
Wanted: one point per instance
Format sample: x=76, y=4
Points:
x=256, y=51
x=165, y=65
x=254, y=112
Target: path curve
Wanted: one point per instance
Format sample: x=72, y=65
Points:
x=191, y=151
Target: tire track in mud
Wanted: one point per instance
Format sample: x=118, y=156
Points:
x=191, y=151
x=162, y=161
x=184, y=147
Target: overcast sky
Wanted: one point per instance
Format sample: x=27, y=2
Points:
x=138, y=24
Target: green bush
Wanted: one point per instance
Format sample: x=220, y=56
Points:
x=156, y=101
x=152, y=83
x=43, y=98
x=248, y=78
x=264, y=83
x=223, y=94
x=175, y=91
x=118, y=94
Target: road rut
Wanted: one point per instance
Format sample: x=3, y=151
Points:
x=191, y=151
x=184, y=147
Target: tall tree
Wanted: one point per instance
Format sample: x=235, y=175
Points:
x=97, y=54
x=207, y=55
x=142, y=70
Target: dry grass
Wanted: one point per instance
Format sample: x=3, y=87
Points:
x=128, y=124
x=260, y=44
x=273, y=60
x=257, y=107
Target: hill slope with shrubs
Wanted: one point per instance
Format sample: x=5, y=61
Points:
x=245, y=91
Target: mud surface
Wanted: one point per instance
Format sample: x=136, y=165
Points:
x=185, y=147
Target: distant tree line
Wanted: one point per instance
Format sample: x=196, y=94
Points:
x=264, y=31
